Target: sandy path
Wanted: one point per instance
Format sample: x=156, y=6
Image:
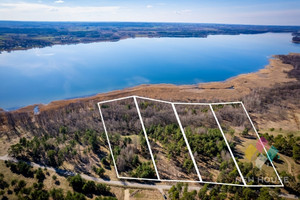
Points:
x=288, y=163
x=126, y=195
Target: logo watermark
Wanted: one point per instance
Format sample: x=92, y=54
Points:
x=263, y=180
x=261, y=158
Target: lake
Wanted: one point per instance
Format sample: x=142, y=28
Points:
x=66, y=71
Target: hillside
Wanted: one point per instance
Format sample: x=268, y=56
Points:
x=68, y=134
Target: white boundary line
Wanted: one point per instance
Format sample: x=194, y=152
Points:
x=187, y=143
x=261, y=143
x=237, y=166
x=146, y=98
x=179, y=123
x=222, y=135
x=118, y=99
x=112, y=155
x=146, y=137
x=188, y=181
x=207, y=104
x=104, y=126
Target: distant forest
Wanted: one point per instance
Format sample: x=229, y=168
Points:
x=26, y=35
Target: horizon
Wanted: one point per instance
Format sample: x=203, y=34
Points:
x=255, y=12
x=154, y=22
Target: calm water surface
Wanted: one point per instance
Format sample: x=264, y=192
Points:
x=66, y=71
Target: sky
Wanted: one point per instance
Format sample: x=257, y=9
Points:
x=260, y=12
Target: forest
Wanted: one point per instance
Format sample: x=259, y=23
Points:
x=127, y=139
x=83, y=124
x=204, y=138
x=30, y=185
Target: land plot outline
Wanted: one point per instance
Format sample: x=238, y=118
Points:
x=209, y=148
x=174, y=159
x=174, y=104
x=127, y=141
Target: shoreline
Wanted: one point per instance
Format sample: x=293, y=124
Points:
x=53, y=33
x=125, y=38
x=231, y=89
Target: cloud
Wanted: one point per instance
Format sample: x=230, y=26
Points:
x=44, y=12
x=44, y=54
x=22, y=10
x=59, y=1
x=184, y=11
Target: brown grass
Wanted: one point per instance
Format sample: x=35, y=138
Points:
x=136, y=194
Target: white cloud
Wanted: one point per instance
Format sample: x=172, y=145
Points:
x=184, y=11
x=59, y=1
x=44, y=12
x=64, y=12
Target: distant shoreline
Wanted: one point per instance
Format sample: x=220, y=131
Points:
x=16, y=35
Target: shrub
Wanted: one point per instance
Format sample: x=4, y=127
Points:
x=54, y=177
x=40, y=176
x=21, y=168
x=89, y=187
x=75, y=196
x=52, y=158
x=57, y=194
x=76, y=182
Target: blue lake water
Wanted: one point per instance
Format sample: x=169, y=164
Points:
x=66, y=71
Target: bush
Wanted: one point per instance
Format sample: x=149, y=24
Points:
x=3, y=184
x=104, y=162
x=39, y=195
x=52, y=158
x=188, y=165
x=76, y=182
x=21, y=184
x=38, y=186
x=102, y=189
x=21, y=168
x=202, y=192
x=57, y=194
x=180, y=191
x=54, y=177
x=99, y=171
x=75, y=196
x=4, y=198
x=264, y=194
x=13, y=182
x=89, y=187
x=144, y=170
x=296, y=152
x=40, y=176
